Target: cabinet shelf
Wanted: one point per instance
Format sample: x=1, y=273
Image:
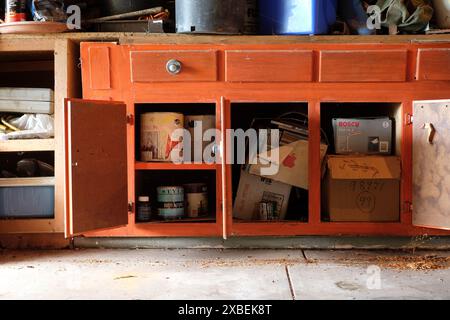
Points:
x=27, y=182
x=209, y=219
x=27, y=145
x=173, y=166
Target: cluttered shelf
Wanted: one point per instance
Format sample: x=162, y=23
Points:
x=109, y=18
x=27, y=145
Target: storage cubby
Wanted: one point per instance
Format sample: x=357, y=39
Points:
x=273, y=194
x=43, y=162
x=27, y=69
x=329, y=111
x=148, y=181
x=364, y=173
x=27, y=185
x=186, y=109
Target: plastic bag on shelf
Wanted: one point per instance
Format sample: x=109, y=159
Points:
x=48, y=10
x=31, y=126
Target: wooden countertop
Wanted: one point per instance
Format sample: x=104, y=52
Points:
x=171, y=38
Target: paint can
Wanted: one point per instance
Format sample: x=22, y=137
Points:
x=216, y=16
x=16, y=11
x=156, y=135
x=191, y=123
x=170, y=202
x=196, y=200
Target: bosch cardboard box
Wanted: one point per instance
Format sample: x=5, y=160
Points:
x=363, y=135
x=364, y=188
x=254, y=190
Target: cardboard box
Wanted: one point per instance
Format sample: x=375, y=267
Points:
x=255, y=189
x=362, y=188
x=293, y=164
x=363, y=136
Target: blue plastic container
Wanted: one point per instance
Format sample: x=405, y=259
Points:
x=27, y=202
x=291, y=17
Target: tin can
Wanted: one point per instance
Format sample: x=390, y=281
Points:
x=196, y=200
x=16, y=11
x=170, y=202
x=156, y=135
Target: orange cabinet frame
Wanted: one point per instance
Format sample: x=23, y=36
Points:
x=314, y=74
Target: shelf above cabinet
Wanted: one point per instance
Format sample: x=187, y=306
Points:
x=173, y=166
x=27, y=145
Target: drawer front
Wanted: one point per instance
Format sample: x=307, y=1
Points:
x=363, y=66
x=152, y=66
x=269, y=66
x=433, y=64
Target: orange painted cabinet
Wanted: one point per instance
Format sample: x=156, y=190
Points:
x=241, y=86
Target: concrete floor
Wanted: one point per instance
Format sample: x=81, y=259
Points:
x=223, y=274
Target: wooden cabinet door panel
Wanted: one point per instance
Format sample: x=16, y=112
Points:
x=431, y=172
x=96, y=168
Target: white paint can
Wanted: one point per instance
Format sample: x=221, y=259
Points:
x=196, y=195
x=156, y=135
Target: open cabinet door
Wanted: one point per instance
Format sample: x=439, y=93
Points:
x=431, y=165
x=96, y=165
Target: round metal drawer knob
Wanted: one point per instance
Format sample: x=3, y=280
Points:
x=173, y=67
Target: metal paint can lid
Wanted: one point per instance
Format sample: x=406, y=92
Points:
x=144, y=199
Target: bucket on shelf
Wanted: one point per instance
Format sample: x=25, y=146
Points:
x=170, y=202
x=291, y=17
x=216, y=16
x=156, y=135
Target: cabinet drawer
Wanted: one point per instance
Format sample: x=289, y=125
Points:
x=152, y=66
x=433, y=64
x=269, y=66
x=363, y=66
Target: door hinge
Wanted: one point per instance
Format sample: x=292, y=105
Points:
x=130, y=119
x=131, y=206
x=409, y=118
x=407, y=207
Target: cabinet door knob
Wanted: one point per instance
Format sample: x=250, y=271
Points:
x=173, y=67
